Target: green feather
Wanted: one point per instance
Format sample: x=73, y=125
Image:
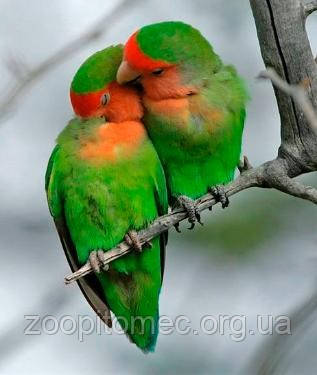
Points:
x=98, y=70
x=177, y=42
x=203, y=152
x=100, y=203
x=95, y=205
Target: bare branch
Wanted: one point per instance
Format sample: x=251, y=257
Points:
x=285, y=47
x=24, y=81
x=163, y=223
x=251, y=177
x=297, y=92
x=16, y=67
x=276, y=175
x=291, y=187
x=310, y=7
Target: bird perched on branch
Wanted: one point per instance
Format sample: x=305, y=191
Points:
x=104, y=181
x=195, y=109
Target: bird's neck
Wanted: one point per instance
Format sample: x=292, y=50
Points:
x=113, y=142
x=169, y=108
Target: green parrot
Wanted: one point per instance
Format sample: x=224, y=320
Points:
x=104, y=181
x=195, y=109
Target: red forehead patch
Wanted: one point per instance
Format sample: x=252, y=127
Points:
x=138, y=59
x=85, y=105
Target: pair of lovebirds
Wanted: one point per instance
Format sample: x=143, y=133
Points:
x=128, y=155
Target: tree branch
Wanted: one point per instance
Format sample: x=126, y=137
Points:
x=285, y=47
x=310, y=7
x=25, y=78
x=297, y=92
x=261, y=176
x=247, y=179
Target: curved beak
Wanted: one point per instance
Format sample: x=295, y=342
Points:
x=127, y=74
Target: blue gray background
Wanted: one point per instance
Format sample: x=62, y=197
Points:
x=257, y=257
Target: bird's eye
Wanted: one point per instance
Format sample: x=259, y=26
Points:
x=105, y=99
x=158, y=71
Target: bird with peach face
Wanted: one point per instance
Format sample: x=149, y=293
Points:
x=194, y=109
x=104, y=182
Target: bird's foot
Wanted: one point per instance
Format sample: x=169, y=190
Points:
x=189, y=206
x=96, y=259
x=219, y=194
x=176, y=226
x=133, y=240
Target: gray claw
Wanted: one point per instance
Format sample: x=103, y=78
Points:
x=199, y=219
x=101, y=258
x=189, y=205
x=94, y=261
x=219, y=194
x=192, y=226
x=132, y=239
x=176, y=226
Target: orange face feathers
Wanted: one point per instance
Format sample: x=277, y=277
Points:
x=160, y=79
x=114, y=102
x=167, y=85
x=124, y=105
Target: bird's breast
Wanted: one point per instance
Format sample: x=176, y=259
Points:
x=187, y=112
x=173, y=109
x=113, y=142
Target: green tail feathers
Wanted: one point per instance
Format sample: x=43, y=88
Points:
x=133, y=298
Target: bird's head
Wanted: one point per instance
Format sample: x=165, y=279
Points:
x=170, y=59
x=94, y=91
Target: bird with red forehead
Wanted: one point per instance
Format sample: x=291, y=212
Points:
x=195, y=109
x=104, y=182
x=93, y=96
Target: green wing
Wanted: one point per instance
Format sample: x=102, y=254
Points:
x=89, y=285
x=161, y=200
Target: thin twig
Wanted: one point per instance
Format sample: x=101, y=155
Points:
x=24, y=81
x=297, y=92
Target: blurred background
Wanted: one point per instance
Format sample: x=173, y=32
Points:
x=256, y=258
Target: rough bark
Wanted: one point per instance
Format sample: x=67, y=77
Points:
x=285, y=48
